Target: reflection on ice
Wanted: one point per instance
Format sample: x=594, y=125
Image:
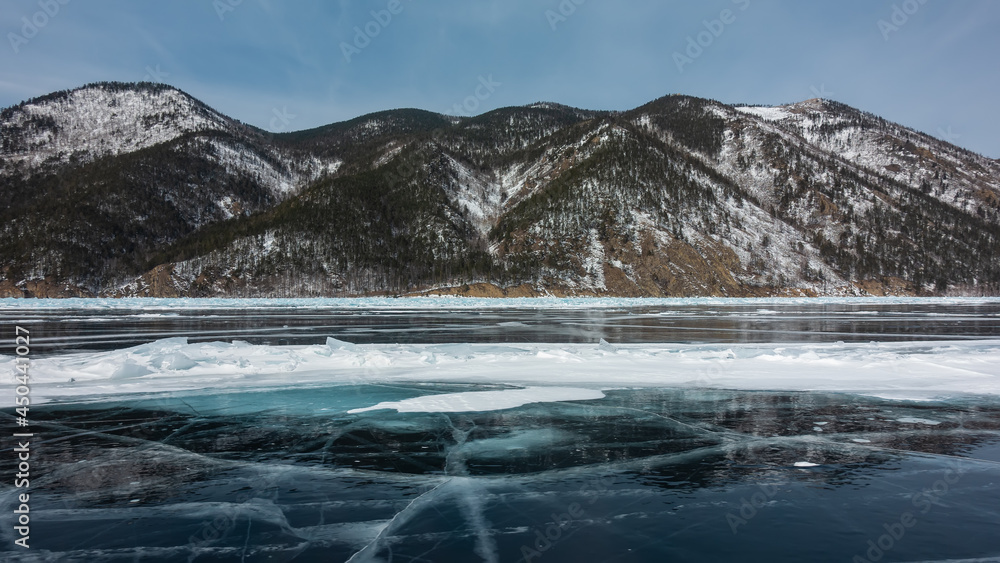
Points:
x=60, y=326
x=661, y=472
x=276, y=440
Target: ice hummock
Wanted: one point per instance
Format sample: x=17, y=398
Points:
x=898, y=370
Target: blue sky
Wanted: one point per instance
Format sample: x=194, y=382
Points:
x=930, y=64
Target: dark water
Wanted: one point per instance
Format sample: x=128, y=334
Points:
x=643, y=475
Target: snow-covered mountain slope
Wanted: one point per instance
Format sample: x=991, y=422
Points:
x=681, y=196
x=282, y=172
x=952, y=175
x=99, y=179
x=108, y=119
x=101, y=120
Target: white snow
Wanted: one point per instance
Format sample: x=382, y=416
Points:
x=478, y=401
x=95, y=121
x=886, y=149
x=226, y=205
x=593, y=261
x=479, y=197
x=766, y=113
x=904, y=370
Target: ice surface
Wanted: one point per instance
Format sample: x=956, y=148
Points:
x=915, y=420
x=473, y=401
x=897, y=370
x=661, y=474
x=178, y=450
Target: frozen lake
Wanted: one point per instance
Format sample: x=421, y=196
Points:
x=84, y=324
x=442, y=430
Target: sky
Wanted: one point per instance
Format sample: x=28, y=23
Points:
x=928, y=64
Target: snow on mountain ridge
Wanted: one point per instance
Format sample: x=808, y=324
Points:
x=951, y=174
x=682, y=196
x=101, y=120
x=766, y=113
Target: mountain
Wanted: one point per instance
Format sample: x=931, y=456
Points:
x=97, y=179
x=139, y=189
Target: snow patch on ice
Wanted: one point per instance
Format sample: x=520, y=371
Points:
x=479, y=401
